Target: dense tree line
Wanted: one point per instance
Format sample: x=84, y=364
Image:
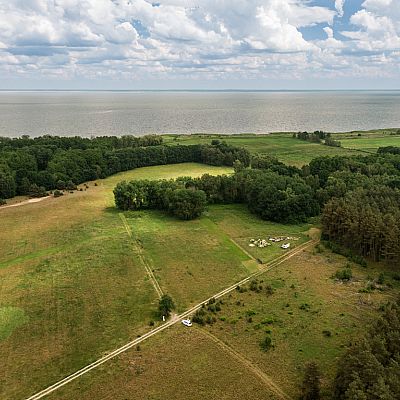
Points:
x=370, y=369
x=389, y=149
x=360, y=199
x=318, y=137
x=315, y=137
x=171, y=196
x=366, y=221
x=271, y=196
x=59, y=163
x=78, y=142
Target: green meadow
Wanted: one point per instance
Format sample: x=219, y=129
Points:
x=281, y=145
x=74, y=286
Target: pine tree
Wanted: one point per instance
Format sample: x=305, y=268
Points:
x=311, y=382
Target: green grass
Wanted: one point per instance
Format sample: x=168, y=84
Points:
x=281, y=145
x=306, y=302
x=237, y=222
x=178, y=364
x=70, y=274
x=191, y=259
x=368, y=141
x=73, y=288
x=10, y=319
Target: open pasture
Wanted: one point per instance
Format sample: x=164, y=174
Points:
x=281, y=145
x=72, y=286
x=242, y=226
x=190, y=259
x=180, y=363
x=309, y=316
x=368, y=141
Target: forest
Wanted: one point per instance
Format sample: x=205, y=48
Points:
x=370, y=368
x=357, y=197
x=31, y=166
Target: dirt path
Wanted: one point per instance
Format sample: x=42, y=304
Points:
x=248, y=365
x=186, y=314
x=139, y=250
x=23, y=203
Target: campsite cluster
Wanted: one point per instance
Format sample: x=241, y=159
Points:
x=264, y=242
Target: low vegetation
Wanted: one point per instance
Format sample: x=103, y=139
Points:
x=76, y=285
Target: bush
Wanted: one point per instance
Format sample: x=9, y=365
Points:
x=58, y=193
x=344, y=274
x=37, y=191
x=2, y=202
x=266, y=344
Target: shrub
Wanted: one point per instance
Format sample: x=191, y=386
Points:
x=344, y=274
x=269, y=290
x=37, y=191
x=2, y=202
x=381, y=279
x=266, y=344
x=58, y=193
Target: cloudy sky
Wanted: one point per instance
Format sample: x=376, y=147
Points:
x=200, y=44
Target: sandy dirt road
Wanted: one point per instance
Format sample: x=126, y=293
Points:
x=264, y=268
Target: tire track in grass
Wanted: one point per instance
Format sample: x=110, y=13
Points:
x=142, y=258
x=247, y=364
x=186, y=314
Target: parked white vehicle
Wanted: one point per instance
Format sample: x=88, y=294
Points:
x=285, y=246
x=187, y=322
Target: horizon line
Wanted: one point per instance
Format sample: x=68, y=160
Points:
x=200, y=90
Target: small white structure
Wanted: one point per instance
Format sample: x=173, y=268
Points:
x=187, y=322
x=285, y=246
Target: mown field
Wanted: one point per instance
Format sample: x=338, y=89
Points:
x=309, y=316
x=281, y=145
x=369, y=141
x=72, y=287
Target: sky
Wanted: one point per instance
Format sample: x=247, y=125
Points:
x=200, y=44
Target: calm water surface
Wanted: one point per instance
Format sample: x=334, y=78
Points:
x=119, y=113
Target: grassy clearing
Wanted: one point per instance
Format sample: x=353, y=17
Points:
x=283, y=146
x=368, y=141
x=178, y=364
x=308, y=317
x=237, y=222
x=190, y=259
x=69, y=272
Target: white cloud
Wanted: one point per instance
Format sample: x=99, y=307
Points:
x=135, y=39
x=339, y=4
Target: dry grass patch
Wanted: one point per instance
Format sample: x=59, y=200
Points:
x=308, y=317
x=178, y=364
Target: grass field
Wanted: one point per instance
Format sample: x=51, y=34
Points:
x=283, y=146
x=368, y=141
x=241, y=226
x=309, y=317
x=71, y=287
x=191, y=259
x=178, y=364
